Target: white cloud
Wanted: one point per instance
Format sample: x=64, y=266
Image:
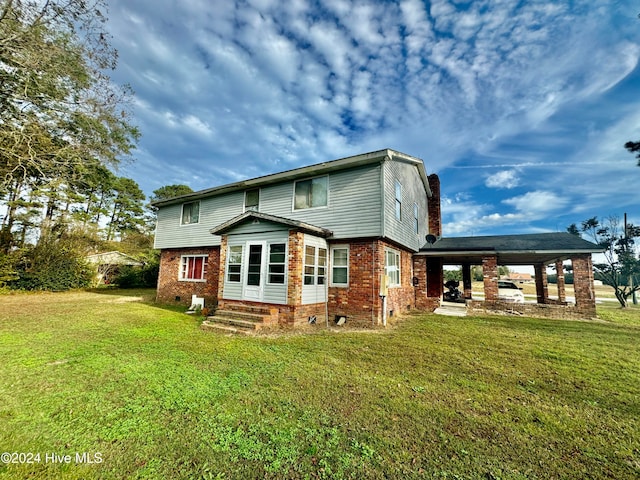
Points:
x=504, y=179
x=537, y=202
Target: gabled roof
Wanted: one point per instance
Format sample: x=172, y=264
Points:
x=302, y=172
x=229, y=225
x=511, y=249
x=113, y=258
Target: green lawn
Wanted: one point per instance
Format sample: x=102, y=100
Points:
x=144, y=393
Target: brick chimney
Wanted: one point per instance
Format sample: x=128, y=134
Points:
x=433, y=204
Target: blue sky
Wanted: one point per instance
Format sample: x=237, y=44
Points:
x=521, y=107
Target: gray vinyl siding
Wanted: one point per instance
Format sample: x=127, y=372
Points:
x=413, y=192
x=213, y=212
x=272, y=293
x=353, y=210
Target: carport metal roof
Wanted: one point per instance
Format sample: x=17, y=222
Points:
x=528, y=249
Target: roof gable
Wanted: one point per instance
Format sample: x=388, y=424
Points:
x=249, y=216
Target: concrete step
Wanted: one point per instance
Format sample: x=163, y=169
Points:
x=244, y=315
x=218, y=327
x=237, y=322
x=452, y=309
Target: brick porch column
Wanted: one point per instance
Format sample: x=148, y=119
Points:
x=583, y=284
x=420, y=272
x=222, y=265
x=296, y=260
x=562, y=296
x=542, y=288
x=466, y=280
x=490, y=278
x=434, y=278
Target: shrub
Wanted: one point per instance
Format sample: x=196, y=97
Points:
x=53, y=264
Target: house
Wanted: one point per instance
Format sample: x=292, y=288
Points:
x=312, y=244
x=340, y=241
x=109, y=264
x=517, y=277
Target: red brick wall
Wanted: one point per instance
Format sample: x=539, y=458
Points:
x=361, y=302
x=169, y=287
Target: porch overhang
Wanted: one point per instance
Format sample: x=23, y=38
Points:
x=528, y=249
x=249, y=216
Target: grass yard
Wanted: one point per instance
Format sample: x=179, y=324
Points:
x=143, y=393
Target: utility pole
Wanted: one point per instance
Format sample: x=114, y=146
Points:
x=626, y=243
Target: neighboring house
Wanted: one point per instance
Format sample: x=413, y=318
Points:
x=109, y=264
x=518, y=277
x=310, y=243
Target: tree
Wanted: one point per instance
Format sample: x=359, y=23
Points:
x=169, y=191
x=634, y=147
x=621, y=268
x=127, y=209
x=58, y=107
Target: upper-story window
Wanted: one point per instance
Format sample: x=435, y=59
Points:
x=310, y=193
x=416, y=223
x=252, y=200
x=398, y=200
x=190, y=213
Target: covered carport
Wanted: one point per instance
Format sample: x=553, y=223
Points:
x=537, y=250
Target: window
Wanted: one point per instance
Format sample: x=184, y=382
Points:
x=322, y=266
x=340, y=266
x=277, y=263
x=392, y=267
x=398, y=200
x=251, y=200
x=315, y=265
x=416, y=223
x=234, y=264
x=190, y=213
x=193, y=267
x=310, y=193
x=309, y=265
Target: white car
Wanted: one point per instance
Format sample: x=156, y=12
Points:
x=509, y=292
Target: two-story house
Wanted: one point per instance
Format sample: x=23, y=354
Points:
x=329, y=242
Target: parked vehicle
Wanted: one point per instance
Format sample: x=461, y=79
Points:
x=454, y=294
x=509, y=292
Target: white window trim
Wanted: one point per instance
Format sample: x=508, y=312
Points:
x=416, y=218
x=398, y=201
x=182, y=214
x=205, y=266
x=332, y=283
x=398, y=255
x=293, y=197
x=244, y=207
x=226, y=271
x=285, y=263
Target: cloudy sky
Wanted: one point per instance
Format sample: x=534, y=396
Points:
x=522, y=107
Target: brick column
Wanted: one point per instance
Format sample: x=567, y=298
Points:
x=420, y=272
x=296, y=257
x=490, y=278
x=434, y=278
x=562, y=296
x=466, y=280
x=542, y=288
x=583, y=284
x=222, y=265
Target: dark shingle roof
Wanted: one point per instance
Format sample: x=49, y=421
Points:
x=512, y=249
